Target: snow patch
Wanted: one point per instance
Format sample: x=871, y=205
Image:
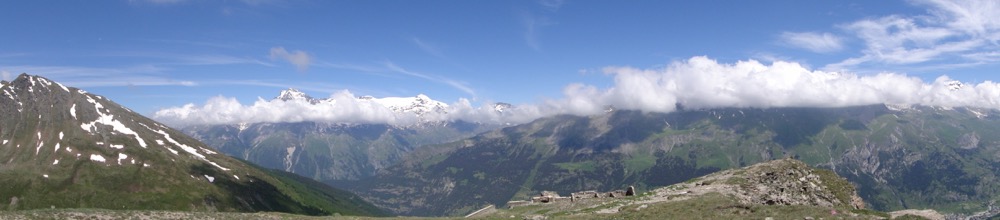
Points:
x=60, y=135
x=187, y=148
x=160, y=142
x=57, y=148
x=108, y=119
x=978, y=114
x=121, y=157
x=237, y=178
x=145, y=165
x=117, y=146
x=40, y=143
x=45, y=175
x=211, y=179
x=4, y=141
x=55, y=162
x=72, y=111
x=207, y=151
x=97, y=158
x=63, y=87
x=171, y=150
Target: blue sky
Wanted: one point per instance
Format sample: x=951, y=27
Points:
x=150, y=55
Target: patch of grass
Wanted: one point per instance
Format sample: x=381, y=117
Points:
x=871, y=213
x=839, y=186
x=640, y=162
x=737, y=181
x=586, y=166
x=910, y=217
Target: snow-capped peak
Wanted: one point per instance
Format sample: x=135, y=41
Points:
x=500, y=107
x=420, y=104
x=293, y=94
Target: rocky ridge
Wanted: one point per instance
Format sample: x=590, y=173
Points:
x=777, y=182
x=750, y=191
x=777, y=189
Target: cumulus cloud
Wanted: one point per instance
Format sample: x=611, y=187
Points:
x=340, y=107
x=299, y=58
x=700, y=82
x=696, y=83
x=815, y=42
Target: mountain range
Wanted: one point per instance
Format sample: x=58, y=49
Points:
x=899, y=157
x=419, y=105
x=62, y=147
x=337, y=151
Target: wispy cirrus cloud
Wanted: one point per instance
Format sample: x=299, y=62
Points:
x=428, y=48
x=532, y=29
x=953, y=34
x=168, y=59
x=390, y=69
x=552, y=4
x=300, y=59
x=459, y=85
x=815, y=42
x=158, y=2
x=78, y=76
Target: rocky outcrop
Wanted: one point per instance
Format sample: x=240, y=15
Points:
x=776, y=182
x=792, y=182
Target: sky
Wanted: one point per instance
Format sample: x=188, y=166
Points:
x=219, y=61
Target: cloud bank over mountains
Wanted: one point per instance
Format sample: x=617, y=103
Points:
x=696, y=83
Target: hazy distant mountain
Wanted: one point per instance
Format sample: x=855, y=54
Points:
x=326, y=151
x=899, y=157
x=66, y=148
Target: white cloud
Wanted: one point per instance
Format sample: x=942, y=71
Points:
x=450, y=82
x=815, y=42
x=949, y=34
x=704, y=83
x=77, y=76
x=299, y=58
x=696, y=83
x=341, y=107
x=428, y=48
x=532, y=27
x=552, y=4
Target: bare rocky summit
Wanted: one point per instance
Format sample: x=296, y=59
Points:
x=780, y=188
x=777, y=182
